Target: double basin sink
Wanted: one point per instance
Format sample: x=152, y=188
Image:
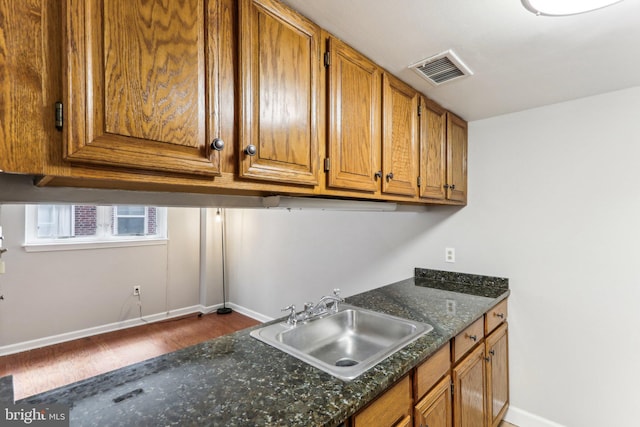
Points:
x=346, y=343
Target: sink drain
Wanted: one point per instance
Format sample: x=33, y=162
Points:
x=346, y=362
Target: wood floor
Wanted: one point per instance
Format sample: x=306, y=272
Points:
x=49, y=367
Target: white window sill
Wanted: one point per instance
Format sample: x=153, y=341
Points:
x=75, y=246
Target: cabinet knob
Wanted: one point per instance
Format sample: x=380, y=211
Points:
x=251, y=150
x=446, y=186
x=389, y=176
x=378, y=175
x=500, y=315
x=452, y=186
x=492, y=352
x=217, y=144
x=473, y=337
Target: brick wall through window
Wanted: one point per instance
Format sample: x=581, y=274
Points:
x=85, y=220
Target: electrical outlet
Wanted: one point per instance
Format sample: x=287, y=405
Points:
x=450, y=255
x=136, y=291
x=451, y=306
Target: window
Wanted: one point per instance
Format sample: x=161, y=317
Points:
x=133, y=221
x=76, y=226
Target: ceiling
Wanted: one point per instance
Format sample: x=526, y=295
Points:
x=519, y=60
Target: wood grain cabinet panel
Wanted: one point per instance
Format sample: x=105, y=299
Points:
x=434, y=410
x=443, y=154
x=141, y=84
x=354, y=137
x=494, y=317
x=390, y=409
x=497, y=358
x=30, y=84
x=467, y=339
x=433, y=369
x=279, y=83
x=433, y=150
x=399, y=138
x=456, y=158
x=469, y=382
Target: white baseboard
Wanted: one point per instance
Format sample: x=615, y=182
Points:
x=250, y=313
x=522, y=418
x=68, y=336
x=242, y=310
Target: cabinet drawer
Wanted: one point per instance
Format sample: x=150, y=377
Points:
x=468, y=338
x=495, y=317
x=390, y=409
x=436, y=367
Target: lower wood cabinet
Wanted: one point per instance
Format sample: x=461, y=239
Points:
x=469, y=385
x=463, y=384
x=481, y=380
x=434, y=410
x=392, y=408
x=497, y=375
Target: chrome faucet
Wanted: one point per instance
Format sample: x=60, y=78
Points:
x=293, y=316
x=312, y=310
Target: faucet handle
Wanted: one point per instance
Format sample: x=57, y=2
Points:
x=291, y=320
x=336, y=292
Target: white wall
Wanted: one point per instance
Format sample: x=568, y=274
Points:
x=552, y=206
x=52, y=293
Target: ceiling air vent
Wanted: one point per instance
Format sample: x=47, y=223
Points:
x=441, y=68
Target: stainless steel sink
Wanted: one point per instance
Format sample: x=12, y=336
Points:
x=346, y=343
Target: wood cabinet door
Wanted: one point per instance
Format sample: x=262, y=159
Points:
x=390, y=409
x=469, y=384
x=497, y=347
x=141, y=82
x=279, y=85
x=399, y=137
x=456, y=158
x=354, y=139
x=30, y=73
x=433, y=146
x=434, y=410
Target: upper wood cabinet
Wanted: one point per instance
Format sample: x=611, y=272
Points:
x=141, y=84
x=354, y=120
x=399, y=137
x=456, y=158
x=279, y=93
x=433, y=149
x=443, y=154
x=30, y=73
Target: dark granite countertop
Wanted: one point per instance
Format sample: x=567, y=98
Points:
x=236, y=380
x=6, y=389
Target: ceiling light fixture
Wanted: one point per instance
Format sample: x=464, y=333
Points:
x=565, y=7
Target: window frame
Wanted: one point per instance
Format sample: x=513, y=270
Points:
x=104, y=238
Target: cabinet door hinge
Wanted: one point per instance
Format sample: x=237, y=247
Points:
x=419, y=181
x=419, y=110
x=327, y=59
x=327, y=164
x=59, y=115
x=452, y=386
